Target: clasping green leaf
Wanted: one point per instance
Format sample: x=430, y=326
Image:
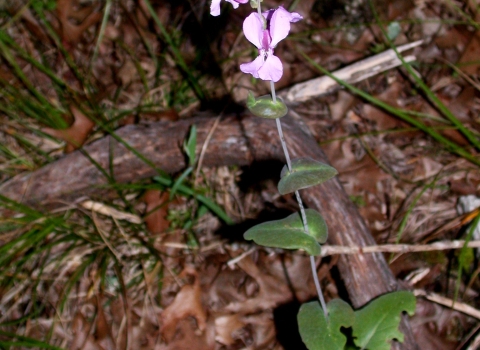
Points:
x=377, y=323
x=264, y=107
x=319, y=333
x=289, y=233
x=305, y=173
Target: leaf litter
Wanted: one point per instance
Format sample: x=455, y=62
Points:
x=178, y=297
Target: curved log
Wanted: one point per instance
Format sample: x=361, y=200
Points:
x=236, y=141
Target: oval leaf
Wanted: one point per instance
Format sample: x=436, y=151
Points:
x=377, y=323
x=317, y=332
x=289, y=233
x=305, y=173
x=317, y=226
x=264, y=107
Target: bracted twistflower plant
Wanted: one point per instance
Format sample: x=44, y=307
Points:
x=265, y=30
x=320, y=328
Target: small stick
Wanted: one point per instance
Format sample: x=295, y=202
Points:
x=328, y=250
x=353, y=73
x=456, y=305
x=204, y=148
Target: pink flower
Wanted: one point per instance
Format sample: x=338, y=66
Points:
x=267, y=66
x=215, y=6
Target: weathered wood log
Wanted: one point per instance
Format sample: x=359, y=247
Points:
x=235, y=141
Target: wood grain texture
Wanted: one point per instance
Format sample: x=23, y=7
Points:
x=238, y=140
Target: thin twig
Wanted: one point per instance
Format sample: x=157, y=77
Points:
x=204, y=148
x=328, y=250
x=456, y=305
x=235, y=260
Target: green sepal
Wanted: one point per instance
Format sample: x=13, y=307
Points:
x=305, y=173
x=264, y=107
x=289, y=233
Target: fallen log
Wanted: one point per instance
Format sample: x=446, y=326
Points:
x=236, y=140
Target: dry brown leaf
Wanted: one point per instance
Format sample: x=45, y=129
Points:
x=298, y=269
x=463, y=187
x=143, y=326
x=382, y=119
x=82, y=339
x=157, y=211
x=76, y=135
x=103, y=334
x=187, y=303
x=167, y=115
x=343, y=103
x=436, y=327
x=272, y=292
x=74, y=20
x=468, y=63
x=81, y=331
x=33, y=26
x=452, y=38
x=224, y=288
x=399, y=8
x=225, y=328
x=462, y=104
x=263, y=330
x=187, y=338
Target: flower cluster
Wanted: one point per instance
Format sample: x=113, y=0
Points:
x=264, y=31
x=265, y=34
x=215, y=6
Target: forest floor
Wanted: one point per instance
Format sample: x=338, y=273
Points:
x=148, y=269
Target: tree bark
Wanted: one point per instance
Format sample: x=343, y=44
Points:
x=237, y=140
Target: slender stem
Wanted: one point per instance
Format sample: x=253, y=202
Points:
x=300, y=205
x=317, y=285
x=284, y=144
x=272, y=87
x=259, y=8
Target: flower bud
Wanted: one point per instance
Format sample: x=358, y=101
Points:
x=254, y=3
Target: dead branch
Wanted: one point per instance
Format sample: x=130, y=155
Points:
x=351, y=74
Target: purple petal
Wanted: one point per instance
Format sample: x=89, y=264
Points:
x=272, y=69
x=242, y=1
x=253, y=67
x=266, y=40
x=234, y=3
x=215, y=8
x=295, y=17
x=280, y=24
x=268, y=14
x=253, y=29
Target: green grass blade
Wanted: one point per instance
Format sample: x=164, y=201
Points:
x=179, y=181
x=471, y=230
x=103, y=26
x=201, y=95
x=25, y=342
x=201, y=198
x=449, y=145
x=474, y=140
